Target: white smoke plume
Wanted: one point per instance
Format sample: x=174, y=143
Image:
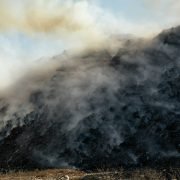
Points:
x=76, y=24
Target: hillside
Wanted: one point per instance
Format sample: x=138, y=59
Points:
x=97, y=110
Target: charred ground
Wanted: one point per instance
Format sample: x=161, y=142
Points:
x=102, y=111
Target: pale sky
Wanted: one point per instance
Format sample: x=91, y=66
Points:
x=134, y=10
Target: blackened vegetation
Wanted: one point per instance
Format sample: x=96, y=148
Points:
x=104, y=112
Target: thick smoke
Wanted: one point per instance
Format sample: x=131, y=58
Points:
x=76, y=24
x=69, y=16
x=96, y=109
x=40, y=16
x=63, y=19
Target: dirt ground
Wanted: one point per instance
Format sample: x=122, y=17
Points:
x=121, y=174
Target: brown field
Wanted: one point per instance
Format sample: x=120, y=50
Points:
x=57, y=174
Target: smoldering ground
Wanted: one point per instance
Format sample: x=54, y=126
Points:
x=93, y=109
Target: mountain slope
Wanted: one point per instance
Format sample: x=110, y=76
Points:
x=97, y=110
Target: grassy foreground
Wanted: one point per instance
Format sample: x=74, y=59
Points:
x=57, y=174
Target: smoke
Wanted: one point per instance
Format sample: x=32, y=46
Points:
x=39, y=16
x=79, y=19
x=76, y=25
x=57, y=17
x=88, y=109
x=92, y=104
x=60, y=25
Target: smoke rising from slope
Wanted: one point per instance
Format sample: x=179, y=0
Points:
x=92, y=109
x=77, y=24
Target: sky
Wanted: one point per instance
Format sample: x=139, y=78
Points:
x=34, y=29
x=134, y=10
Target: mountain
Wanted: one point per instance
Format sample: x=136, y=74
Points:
x=95, y=110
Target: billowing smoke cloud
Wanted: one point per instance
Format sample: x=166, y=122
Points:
x=76, y=24
x=64, y=19
x=70, y=16
x=40, y=16
x=69, y=23
x=83, y=17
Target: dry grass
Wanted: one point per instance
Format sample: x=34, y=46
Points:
x=136, y=174
x=56, y=174
x=51, y=174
